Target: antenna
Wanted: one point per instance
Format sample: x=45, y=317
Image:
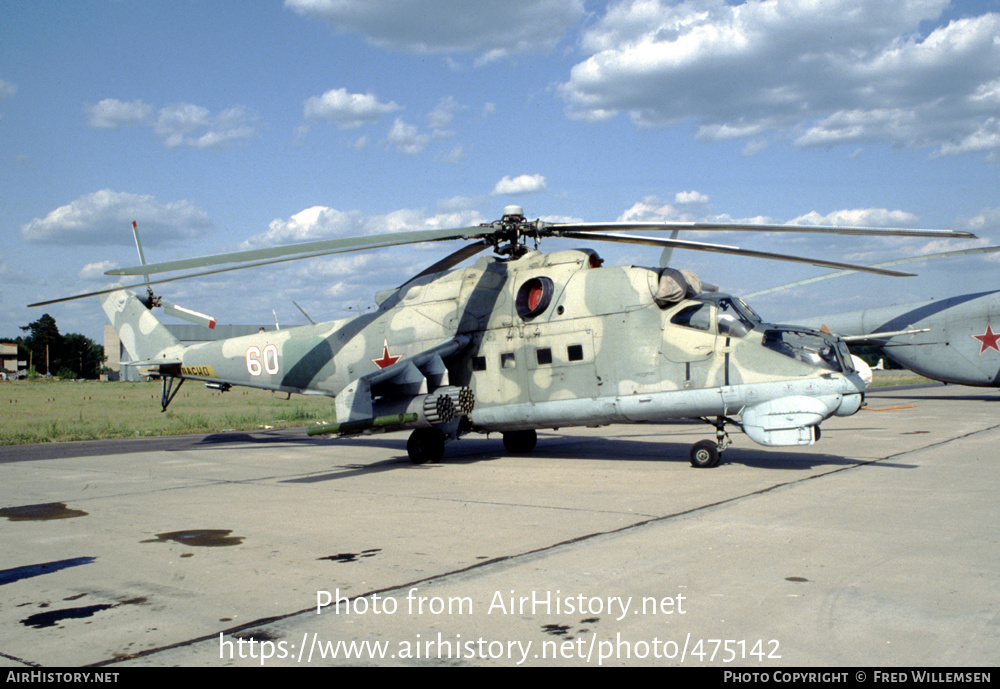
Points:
x=304, y=313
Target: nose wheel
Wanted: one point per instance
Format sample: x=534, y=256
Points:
x=706, y=454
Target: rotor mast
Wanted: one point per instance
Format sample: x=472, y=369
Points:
x=510, y=232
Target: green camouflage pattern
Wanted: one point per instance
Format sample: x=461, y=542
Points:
x=602, y=348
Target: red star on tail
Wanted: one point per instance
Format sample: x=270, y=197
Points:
x=989, y=339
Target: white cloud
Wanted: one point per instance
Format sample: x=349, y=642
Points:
x=754, y=146
x=439, y=119
x=95, y=271
x=7, y=89
x=847, y=71
x=986, y=221
x=685, y=197
x=859, y=217
x=347, y=110
x=407, y=138
x=321, y=222
x=105, y=217
x=352, y=110
x=652, y=209
x=181, y=124
x=522, y=184
x=313, y=223
x=492, y=30
x=986, y=138
x=112, y=113
x=454, y=155
x=351, y=279
x=191, y=125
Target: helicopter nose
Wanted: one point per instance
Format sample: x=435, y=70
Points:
x=850, y=404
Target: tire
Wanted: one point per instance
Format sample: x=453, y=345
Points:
x=705, y=454
x=425, y=445
x=520, y=442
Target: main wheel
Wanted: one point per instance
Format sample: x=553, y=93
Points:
x=425, y=445
x=520, y=442
x=705, y=454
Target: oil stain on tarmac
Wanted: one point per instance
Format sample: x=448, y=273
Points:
x=42, y=512
x=51, y=618
x=209, y=538
x=351, y=557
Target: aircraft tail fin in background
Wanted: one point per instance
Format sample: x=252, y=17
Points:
x=139, y=330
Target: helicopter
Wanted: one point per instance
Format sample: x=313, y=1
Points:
x=949, y=340
x=523, y=340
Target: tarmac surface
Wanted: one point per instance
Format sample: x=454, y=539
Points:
x=878, y=546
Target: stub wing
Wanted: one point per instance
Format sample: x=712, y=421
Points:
x=414, y=392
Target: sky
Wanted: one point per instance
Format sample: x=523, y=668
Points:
x=225, y=125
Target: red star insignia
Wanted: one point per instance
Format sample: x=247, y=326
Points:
x=989, y=340
x=386, y=359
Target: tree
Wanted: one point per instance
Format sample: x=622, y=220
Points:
x=82, y=355
x=71, y=355
x=44, y=343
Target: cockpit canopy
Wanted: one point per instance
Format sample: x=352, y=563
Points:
x=810, y=347
x=733, y=317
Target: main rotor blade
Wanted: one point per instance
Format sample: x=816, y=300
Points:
x=97, y=293
x=911, y=259
x=451, y=260
x=725, y=249
x=479, y=246
x=306, y=250
x=561, y=228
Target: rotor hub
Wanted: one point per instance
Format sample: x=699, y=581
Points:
x=511, y=231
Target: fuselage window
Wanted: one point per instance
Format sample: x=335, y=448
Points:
x=698, y=316
x=543, y=356
x=574, y=352
x=478, y=363
x=507, y=360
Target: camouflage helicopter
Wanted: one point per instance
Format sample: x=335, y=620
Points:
x=523, y=340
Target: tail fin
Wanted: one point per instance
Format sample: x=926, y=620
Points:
x=138, y=329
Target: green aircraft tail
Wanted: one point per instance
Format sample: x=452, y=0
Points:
x=138, y=329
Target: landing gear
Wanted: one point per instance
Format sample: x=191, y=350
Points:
x=425, y=445
x=169, y=391
x=520, y=442
x=706, y=454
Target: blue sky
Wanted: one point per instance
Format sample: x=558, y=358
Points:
x=226, y=125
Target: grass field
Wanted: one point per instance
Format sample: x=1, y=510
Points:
x=893, y=377
x=39, y=411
